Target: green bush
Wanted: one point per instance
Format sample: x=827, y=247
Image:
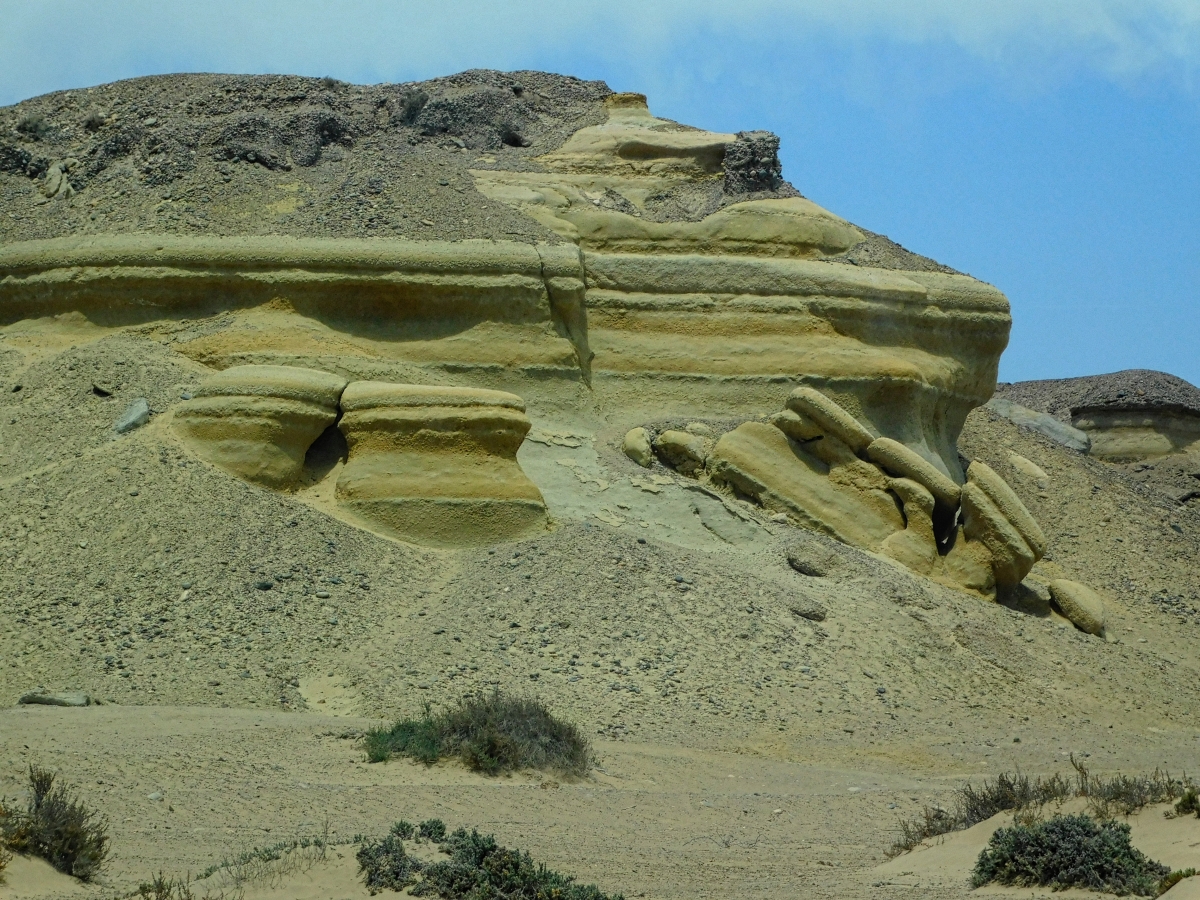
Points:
x=477, y=869
x=57, y=827
x=490, y=734
x=419, y=739
x=403, y=830
x=384, y=864
x=1069, y=851
x=1189, y=803
x=432, y=830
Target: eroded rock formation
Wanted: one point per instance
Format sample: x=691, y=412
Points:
x=1131, y=415
x=259, y=421
x=431, y=465
x=666, y=269
x=437, y=465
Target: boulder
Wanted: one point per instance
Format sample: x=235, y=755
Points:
x=136, y=415
x=259, y=421
x=983, y=522
x=636, y=446
x=902, y=462
x=682, y=451
x=817, y=557
x=1009, y=504
x=1080, y=604
x=830, y=418
x=437, y=465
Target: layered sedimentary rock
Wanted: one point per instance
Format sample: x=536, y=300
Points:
x=437, y=465
x=673, y=272
x=1129, y=415
x=676, y=278
x=259, y=421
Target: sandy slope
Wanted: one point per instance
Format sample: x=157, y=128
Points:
x=665, y=622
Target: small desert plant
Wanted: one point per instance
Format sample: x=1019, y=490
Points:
x=1106, y=796
x=58, y=827
x=95, y=120
x=973, y=805
x=432, y=830
x=268, y=864
x=477, y=869
x=403, y=830
x=419, y=739
x=480, y=869
x=1125, y=794
x=34, y=126
x=409, y=106
x=1189, y=803
x=490, y=734
x=1174, y=878
x=384, y=864
x=1069, y=851
x=162, y=888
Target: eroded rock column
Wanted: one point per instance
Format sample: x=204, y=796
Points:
x=259, y=421
x=437, y=465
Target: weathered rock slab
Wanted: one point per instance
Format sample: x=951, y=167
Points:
x=60, y=698
x=1079, y=603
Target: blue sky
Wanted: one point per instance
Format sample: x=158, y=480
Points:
x=1050, y=147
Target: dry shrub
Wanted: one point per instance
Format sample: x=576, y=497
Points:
x=1107, y=796
x=58, y=827
x=490, y=734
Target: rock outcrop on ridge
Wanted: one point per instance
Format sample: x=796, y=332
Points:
x=667, y=267
x=1134, y=414
x=1144, y=422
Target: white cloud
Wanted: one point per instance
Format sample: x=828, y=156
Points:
x=59, y=43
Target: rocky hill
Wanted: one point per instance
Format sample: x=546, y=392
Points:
x=323, y=401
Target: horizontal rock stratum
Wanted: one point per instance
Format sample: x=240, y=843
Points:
x=911, y=352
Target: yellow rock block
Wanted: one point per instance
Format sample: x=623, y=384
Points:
x=1012, y=558
x=259, y=421
x=437, y=465
x=905, y=463
x=759, y=461
x=1080, y=604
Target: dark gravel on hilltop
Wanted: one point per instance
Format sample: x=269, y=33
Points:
x=1130, y=389
x=282, y=154
x=210, y=154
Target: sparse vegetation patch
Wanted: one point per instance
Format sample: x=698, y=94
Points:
x=58, y=827
x=1069, y=851
x=477, y=868
x=1107, y=797
x=490, y=734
